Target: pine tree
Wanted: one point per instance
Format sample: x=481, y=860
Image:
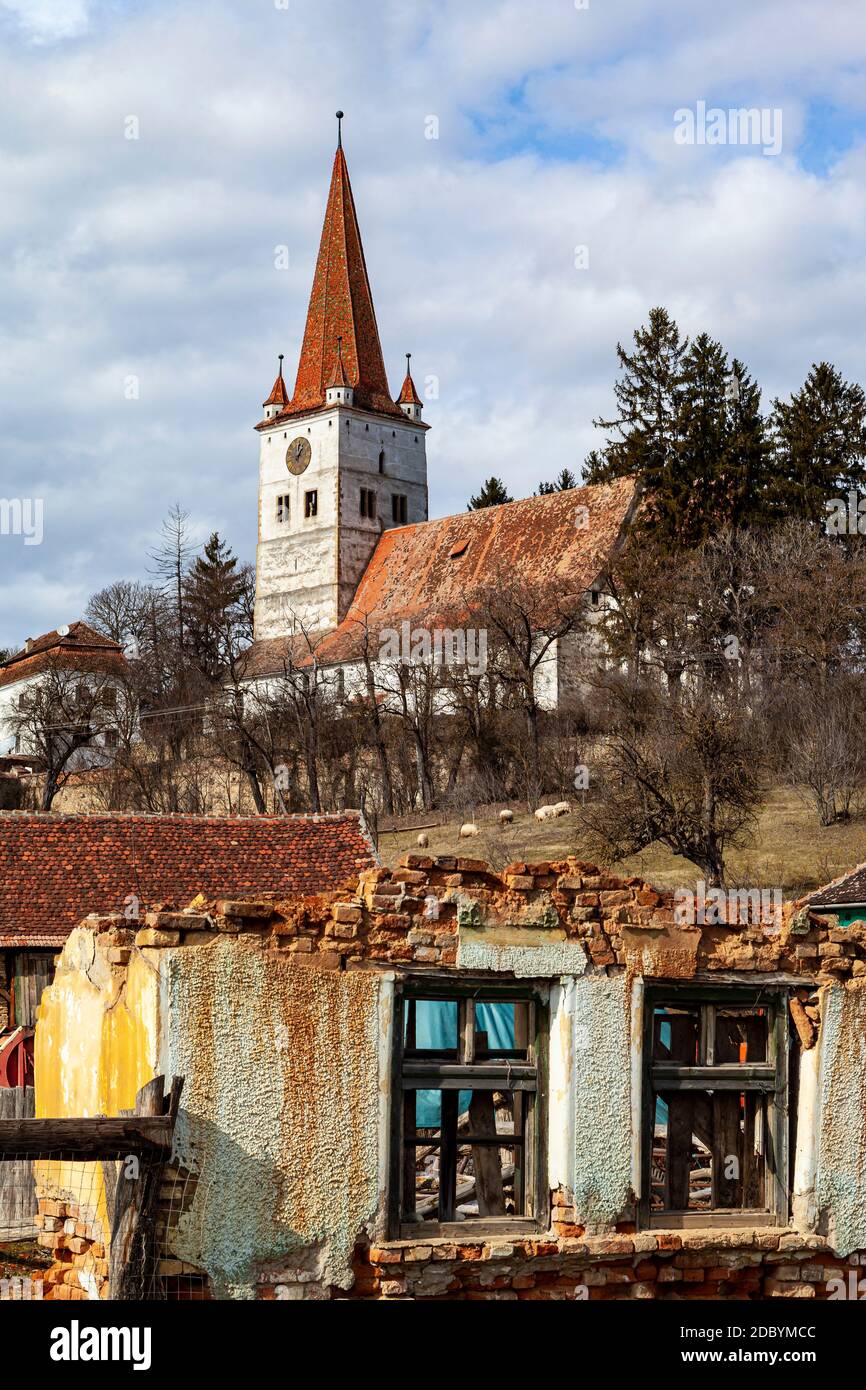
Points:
x=492, y=494
x=214, y=588
x=562, y=483
x=644, y=438
x=750, y=490
x=820, y=441
x=694, y=502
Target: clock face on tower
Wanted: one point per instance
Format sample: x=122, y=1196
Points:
x=298, y=455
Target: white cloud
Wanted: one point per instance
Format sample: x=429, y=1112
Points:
x=155, y=257
x=46, y=21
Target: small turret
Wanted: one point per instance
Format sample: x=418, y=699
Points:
x=279, y=397
x=408, y=400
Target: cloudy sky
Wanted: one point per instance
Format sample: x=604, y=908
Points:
x=153, y=258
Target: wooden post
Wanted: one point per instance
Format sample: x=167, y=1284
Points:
x=132, y=1257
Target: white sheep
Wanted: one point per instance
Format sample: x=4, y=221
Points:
x=506, y=817
x=423, y=840
x=562, y=808
x=467, y=830
x=546, y=813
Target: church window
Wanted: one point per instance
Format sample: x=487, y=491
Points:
x=282, y=509
x=368, y=502
x=399, y=508
x=382, y=461
x=311, y=504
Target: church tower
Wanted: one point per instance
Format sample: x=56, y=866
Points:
x=341, y=460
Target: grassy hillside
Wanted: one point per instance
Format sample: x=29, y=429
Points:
x=790, y=849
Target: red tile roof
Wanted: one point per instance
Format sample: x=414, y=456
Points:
x=341, y=306
x=55, y=869
x=408, y=394
x=434, y=571
x=279, y=395
x=80, y=647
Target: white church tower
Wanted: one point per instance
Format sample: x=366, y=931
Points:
x=341, y=460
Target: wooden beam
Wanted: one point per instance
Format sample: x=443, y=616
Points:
x=86, y=1138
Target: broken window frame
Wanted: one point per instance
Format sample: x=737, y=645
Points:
x=527, y=1078
x=770, y=1078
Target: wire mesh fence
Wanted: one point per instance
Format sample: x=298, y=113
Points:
x=90, y=1208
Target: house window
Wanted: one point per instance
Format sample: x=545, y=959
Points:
x=311, y=504
x=368, y=502
x=399, y=509
x=467, y=1124
x=716, y=1108
x=282, y=509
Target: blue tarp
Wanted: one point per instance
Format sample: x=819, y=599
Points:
x=436, y=1027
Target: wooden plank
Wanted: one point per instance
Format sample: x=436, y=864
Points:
x=17, y=1185
x=132, y=1254
x=85, y=1138
x=448, y=1155
x=485, y=1159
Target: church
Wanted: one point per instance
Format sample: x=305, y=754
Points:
x=346, y=549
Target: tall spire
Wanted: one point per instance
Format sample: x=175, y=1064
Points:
x=341, y=307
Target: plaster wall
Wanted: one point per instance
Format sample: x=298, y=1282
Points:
x=281, y=1110
x=840, y=1181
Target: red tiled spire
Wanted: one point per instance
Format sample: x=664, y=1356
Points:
x=279, y=395
x=408, y=394
x=341, y=306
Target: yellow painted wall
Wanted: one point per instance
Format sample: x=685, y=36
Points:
x=96, y=1044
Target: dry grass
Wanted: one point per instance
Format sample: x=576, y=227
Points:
x=790, y=850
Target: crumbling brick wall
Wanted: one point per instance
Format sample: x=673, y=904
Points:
x=446, y=914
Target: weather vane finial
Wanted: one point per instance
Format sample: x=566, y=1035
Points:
x=339, y=130
x=408, y=360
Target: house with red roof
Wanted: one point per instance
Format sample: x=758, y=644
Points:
x=347, y=554
x=57, y=869
x=69, y=656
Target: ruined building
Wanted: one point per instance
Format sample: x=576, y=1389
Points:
x=440, y=1082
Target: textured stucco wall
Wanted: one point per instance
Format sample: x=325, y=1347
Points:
x=281, y=1109
x=840, y=1185
x=602, y=1099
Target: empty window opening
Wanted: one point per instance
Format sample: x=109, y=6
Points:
x=368, y=502
x=311, y=504
x=282, y=509
x=399, y=508
x=469, y=1122
x=717, y=1109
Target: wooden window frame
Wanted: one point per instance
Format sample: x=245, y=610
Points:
x=770, y=1077
x=529, y=1078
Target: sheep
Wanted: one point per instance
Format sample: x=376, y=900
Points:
x=423, y=840
x=506, y=817
x=562, y=808
x=546, y=813
x=468, y=830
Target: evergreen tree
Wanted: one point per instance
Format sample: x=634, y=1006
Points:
x=562, y=483
x=751, y=490
x=820, y=442
x=646, y=394
x=492, y=494
x=214, y=589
